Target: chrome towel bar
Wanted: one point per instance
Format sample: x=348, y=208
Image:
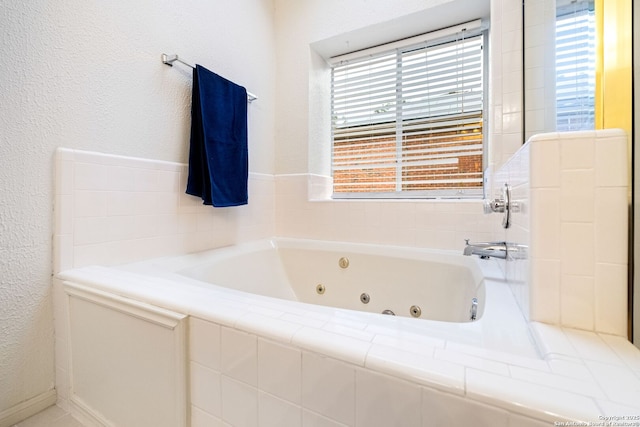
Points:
x=170, y=59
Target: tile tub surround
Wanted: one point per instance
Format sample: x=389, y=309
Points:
x=113, y=209
x=579, y=229
x=305, y=210
x=254, y=360
x=570, y=381
x=573, y=190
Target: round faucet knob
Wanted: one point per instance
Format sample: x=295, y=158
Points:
x=495, y=205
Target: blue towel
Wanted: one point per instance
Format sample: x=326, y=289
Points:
x=218, y=153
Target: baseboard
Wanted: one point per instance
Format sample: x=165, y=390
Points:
x=30, y=407
x=83, y=413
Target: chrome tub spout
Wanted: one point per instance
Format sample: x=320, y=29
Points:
x=502, y=250
x=486, y=249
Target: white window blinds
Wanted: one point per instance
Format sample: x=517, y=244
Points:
x=575, y=67
x=409, y=122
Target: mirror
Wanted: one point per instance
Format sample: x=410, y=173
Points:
x=559, y=65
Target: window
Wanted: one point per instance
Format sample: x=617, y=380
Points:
x=575, y=67
x=408, y=121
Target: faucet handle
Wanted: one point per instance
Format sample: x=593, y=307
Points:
x=495, y=205
x=466, y=241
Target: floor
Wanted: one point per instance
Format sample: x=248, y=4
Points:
x=53, y=416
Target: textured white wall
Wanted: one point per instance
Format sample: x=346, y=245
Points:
x=87, y=75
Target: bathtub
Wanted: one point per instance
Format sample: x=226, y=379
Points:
x=376, y=279
x=301, y=297
x=304, y=278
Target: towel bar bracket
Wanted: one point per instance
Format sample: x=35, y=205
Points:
x=170, y=59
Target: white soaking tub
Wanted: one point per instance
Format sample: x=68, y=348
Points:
x=174, y=324
x=405, y=282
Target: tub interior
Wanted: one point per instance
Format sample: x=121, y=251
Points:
x=280, y=276
x=258, y=271
x=376, y=283
x=419, y=286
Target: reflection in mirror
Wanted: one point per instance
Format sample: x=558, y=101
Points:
x=560, y=64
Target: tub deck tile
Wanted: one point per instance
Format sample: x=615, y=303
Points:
x=276, y=329
x=331, y=344
x=304, y=320
x=526, y=398
x=424, y=370
x=499, y=356
x=466, y=360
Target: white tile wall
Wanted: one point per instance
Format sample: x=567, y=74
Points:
x=115, y=209
x=539, y=83
x=573, y=188
x=239, y=358
x=505, y=81
x=296, y=387
x=515, y=173
x=328, y=387
x=438, y=224
x=280, y=371
x=443, y=409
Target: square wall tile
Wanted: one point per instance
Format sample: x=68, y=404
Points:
x=384, y=400
x=89, y=203
x=577, y=195
x=612, y=164
x=280, y=370
x=577, y=249
x=577, y=304
x=611, y=298
x=576, y=152
x=239, y=355
x=90, y=176
x=120, y=178
x=545, y=162
x=239, y=403
x=545, y=223
x=443, y=409
x=145, y=180
x=274, y=412
x=612, y=225
x=141, y=201
x=328, y=387
x=205, y=392
x=90, y=230
x=204, y=343
x=545, y=290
